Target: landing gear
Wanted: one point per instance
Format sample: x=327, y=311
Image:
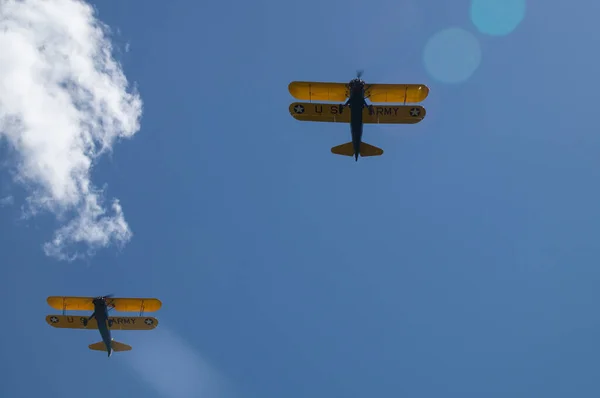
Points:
x=85, y=322
x=341, y=107
x=110, y=323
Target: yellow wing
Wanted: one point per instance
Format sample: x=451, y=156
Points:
x=400, y=93
x=120, y=304
x=316, y=91
x=399, y=114
x=319, y=112
x=119, y=322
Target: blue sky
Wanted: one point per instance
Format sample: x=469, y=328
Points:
x=461, y=263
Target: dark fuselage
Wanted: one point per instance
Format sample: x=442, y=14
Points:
x=357, y=103
x=101, y=315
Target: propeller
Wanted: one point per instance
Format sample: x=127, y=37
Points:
x=359, y=73
x=109, y=305
x=103, y=298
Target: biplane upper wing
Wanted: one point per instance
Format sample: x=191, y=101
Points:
x=317, y=91
x=119, y=322
x=119, y=304
x=399, y=93
x=319, y=112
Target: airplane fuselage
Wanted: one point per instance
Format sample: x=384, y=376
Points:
x=356, y=120
x=101, y=315
x=357, y=103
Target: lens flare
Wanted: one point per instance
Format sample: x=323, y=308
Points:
x=452, y=55
x=497, y=17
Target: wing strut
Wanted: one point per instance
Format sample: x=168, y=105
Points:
x=64, y=306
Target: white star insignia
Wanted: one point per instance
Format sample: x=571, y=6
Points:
x=149, y=321
x=53, y=319
x=415, y=112
x=299, y=109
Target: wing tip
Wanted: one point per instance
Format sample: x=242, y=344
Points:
x=49, y=320
x=150, y=304
x=154, y=323
x=424, y=89
x=51, y=301
x=293, y=88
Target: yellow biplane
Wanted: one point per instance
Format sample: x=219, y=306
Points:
x=354, y=95
x=99, y=320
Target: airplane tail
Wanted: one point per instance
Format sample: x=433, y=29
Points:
x=115, y=346
x=347, y=149
x=369, y=150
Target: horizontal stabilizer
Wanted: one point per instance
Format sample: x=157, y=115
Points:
x=369, y=150
x=116, y=346
x=100, y=346
x=345, y=149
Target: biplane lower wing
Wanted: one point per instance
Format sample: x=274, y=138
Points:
x=116, y=346
x=397, y=114
x=399, y=93
x=119, y=322
x=317, y=91
x=120, y=304
x=316, y=112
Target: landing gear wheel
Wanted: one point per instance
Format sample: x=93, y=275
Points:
x=341, y=108
x=84, y=321
x=110, y=323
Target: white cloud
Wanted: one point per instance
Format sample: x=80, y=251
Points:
x=63, y=103
x=6, y=201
